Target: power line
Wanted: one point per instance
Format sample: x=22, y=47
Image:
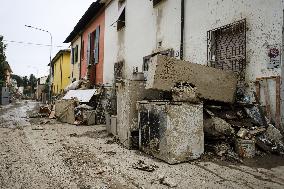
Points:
x=29, y=43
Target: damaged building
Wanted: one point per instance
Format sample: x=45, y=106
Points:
x=159, y=57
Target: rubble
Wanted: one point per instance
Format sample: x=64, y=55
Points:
x=167, y=181
x=44, y=110
x=141, y=165
x=184, y=92
x=245, y=148
x=242, y=133
x=210, y=83
x=217, y=127
x=255, y=115
x=273, y=134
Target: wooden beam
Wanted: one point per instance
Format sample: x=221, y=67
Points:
x=257, y=88
x=278, y=103
x=267, y=99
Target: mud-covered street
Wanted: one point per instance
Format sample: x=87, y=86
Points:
x=43, y=153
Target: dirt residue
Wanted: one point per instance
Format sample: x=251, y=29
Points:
x=49, y=158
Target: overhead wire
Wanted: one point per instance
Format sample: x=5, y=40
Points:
x=30, y=43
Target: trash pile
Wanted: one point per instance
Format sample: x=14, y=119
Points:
x=79, y=105
x=240, y=131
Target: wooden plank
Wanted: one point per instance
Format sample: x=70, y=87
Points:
x=267, y=100
x=278, y=103
x=257, y=88
x=263, y=78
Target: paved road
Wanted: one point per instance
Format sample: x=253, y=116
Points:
x=36, y=154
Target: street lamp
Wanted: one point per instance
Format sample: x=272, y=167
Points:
x=50, y=71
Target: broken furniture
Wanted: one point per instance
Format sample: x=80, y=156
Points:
x=64, y=110
x=171, y=131
x=213, y=84
x=128, y=93
x=81, y=111
x=264, y=86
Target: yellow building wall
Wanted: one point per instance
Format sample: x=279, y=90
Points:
x=62, y=73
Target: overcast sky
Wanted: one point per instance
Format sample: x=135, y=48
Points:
x=57, y=16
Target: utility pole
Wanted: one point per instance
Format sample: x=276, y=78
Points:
x=50, y=68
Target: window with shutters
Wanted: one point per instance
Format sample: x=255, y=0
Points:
x=93, y=47
x=72, y=55
x=226, y=48
x=83, y=50
x=89, y=49
x=121, y=14
x=156, y=2
x=96, y=45
x=76, y=53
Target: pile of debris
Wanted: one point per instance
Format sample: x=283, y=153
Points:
x=77, y=107
x=240, y=130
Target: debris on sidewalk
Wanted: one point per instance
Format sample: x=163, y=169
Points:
x=217, y=127
x=167, y=181
x=44, y=110
x=141, y=165
x=245, y=148
x=38, y=128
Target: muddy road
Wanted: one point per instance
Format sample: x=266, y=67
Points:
x=43, y=153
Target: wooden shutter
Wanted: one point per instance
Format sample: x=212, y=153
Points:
x=76, y=53
x=72, y=55
x=88, y=49
x=96, y=49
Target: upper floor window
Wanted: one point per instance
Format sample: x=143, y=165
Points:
x=156, y=2
x=121, y=14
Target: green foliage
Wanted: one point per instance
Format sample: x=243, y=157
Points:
x=32, y=81
x=2, y=60
x=19, y=79
x=25, y=81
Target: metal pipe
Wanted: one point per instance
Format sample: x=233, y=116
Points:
x=182, y=31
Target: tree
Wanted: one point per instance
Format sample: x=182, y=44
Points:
x=32, y=82
x=19, y=79
x=25, y=81
x=3, y=61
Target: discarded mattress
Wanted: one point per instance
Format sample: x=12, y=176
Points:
x=82, y=95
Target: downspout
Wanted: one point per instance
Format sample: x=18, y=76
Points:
x=80, y=63
x=182, y=30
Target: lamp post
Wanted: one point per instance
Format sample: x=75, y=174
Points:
x=50, y=70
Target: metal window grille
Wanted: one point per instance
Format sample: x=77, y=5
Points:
x=226, y=48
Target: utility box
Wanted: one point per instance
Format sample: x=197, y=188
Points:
x=5, y=96
x=171, y=131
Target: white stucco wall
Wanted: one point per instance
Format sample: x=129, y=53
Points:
x=146, y=26
x=264, y=27
x=75, y=68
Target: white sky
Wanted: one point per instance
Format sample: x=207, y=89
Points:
x=57, y=16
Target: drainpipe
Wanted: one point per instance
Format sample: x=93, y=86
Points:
x=182, y=30
x=80, y=63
